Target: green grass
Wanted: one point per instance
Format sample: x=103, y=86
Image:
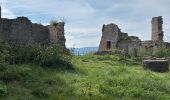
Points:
x=92, y=78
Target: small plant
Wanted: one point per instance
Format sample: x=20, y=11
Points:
x=162, y=52
x=53, y=22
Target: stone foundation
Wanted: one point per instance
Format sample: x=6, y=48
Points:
x=156, y=65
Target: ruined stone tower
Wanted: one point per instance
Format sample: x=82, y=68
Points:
x=113, y=38
x=157, y=33
x=109, y=38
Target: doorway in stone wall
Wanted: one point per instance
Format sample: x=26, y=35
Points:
x=108, y=45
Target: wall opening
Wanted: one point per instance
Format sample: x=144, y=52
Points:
x=108, y=45
x=160, y=37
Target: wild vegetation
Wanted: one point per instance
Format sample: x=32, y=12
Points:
x=160, y=51
x=53, y=22
x=48, y=73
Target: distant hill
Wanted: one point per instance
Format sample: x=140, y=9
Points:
x=84, y=50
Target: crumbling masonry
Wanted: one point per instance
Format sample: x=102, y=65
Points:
x=157, y=33
x=22, y=31
x=113, y=38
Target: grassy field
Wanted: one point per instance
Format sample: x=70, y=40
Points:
x=91, y=78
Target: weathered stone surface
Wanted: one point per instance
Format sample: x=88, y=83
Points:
x=113, y=38
x=40, y=34
x=157, y=33
x=57, y=33
x=110, y=37
x=22, y=31
x=156, y=65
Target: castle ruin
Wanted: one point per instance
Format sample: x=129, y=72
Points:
x=22, y=31
x=112, y=37
x=157, y=33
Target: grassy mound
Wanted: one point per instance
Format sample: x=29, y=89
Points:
x=93, y=77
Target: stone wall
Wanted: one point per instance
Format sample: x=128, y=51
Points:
x=40, y=34
x=57, y=33
x=111, y=35
x=21, y=30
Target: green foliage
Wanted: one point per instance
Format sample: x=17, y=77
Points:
x=40, y=92
x=53, y=22
x=21, y=54
x=162, y=52
x=3, y=90
x=113, y=77
x=155, y=52
x=13, y=73
x=51, y=55
x=144, y=52
x=3, y=52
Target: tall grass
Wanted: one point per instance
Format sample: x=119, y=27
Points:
x=96, y=77
x=161, y=51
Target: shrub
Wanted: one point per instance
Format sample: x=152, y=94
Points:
x=40, y=92
x=53, y=22
x=143, y=52
x=51, y=55
x=3, y=52
x=162, y=52
x=13, y=73
x=2, y=67
x=19, y=54
x=3, y=90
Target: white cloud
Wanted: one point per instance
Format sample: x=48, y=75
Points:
x=82, y=30
x=72, y=41
x=6, y=13
x=69, y=41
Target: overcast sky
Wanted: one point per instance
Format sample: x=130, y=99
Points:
x=84, y=18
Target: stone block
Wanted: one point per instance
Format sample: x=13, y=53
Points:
x=156, y=65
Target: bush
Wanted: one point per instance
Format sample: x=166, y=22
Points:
x=53, y=22
x=14, y=73
x=51, y=55
x=21, y=54
x=40, y=92
x=162, y=52
x=3, y=90
x=2, y=67
x=3, y=52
